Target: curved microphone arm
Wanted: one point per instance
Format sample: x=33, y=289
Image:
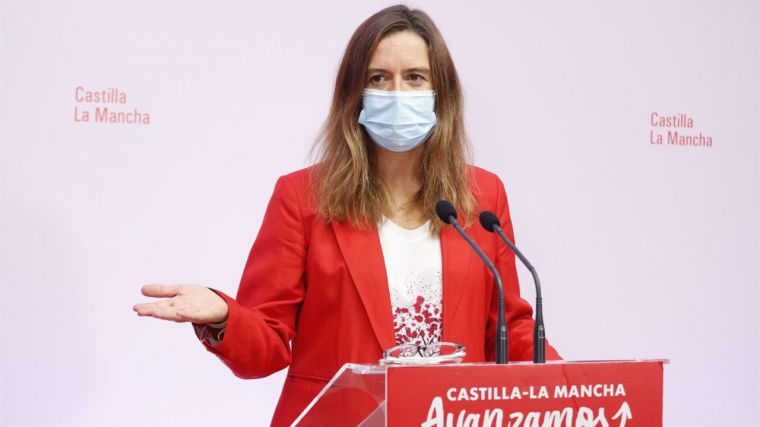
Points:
x=502, y=340
x=539, y=332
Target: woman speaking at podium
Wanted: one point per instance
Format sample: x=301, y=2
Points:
x=351, y=258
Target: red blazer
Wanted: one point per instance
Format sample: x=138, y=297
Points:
x=314, y=295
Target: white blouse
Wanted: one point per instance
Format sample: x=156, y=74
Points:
x=413, y=266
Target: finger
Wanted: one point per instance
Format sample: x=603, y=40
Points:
x=167, y=291
x=166, y=310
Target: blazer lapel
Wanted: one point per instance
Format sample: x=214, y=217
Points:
x=457, y=259
x=364, y=257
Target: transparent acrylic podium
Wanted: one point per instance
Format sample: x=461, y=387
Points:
x=379, y=395
x=354, y=397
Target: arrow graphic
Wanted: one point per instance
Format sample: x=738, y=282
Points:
x=624, y=413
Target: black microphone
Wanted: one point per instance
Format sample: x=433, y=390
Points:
x=448, y=214
x=491, y=223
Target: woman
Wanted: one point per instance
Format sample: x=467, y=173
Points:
x=351, y=259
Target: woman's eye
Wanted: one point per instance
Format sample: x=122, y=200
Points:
x=416, y=77
x=377, y=78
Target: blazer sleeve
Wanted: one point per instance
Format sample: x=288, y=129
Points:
x=261, y=320
x=518, y=312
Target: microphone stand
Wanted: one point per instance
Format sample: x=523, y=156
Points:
x=501, y=329
x=539, y=333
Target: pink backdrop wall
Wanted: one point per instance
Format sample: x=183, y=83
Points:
x=644, y=250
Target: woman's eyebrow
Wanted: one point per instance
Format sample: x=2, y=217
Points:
x=421, y=70
x=408, y=70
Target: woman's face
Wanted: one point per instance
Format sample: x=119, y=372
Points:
x=400, y=62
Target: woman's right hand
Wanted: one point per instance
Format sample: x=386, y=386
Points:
x=183, y=303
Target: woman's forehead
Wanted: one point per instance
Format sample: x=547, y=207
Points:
x=401, y=50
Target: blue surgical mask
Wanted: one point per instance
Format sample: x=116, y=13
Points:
x=398, y=120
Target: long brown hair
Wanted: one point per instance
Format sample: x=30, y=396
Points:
x=345, y=179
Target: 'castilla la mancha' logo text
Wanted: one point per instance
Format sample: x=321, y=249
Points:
x=110, y=106
x=676, y=130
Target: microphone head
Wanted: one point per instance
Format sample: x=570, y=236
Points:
x=445, y=211
x=488, y=220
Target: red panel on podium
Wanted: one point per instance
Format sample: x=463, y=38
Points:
x=555, y=394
